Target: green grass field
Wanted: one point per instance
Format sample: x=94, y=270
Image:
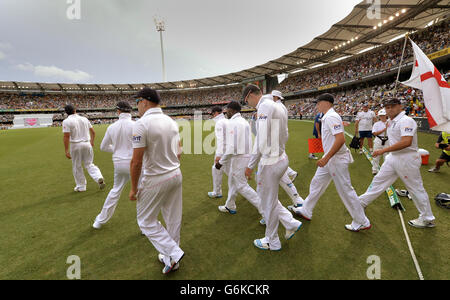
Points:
x=43, y=222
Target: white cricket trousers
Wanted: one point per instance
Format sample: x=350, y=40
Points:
x=237, y=183
x=289, y=187
x=405, y=166
x=337, y=171
x=162, y=193
x=82, y=154
x=217, y=179
x=121, y=178
x=274, y=212
x=377, y=145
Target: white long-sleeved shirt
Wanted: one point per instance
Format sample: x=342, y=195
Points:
x=220, y=132
x=239, y=138
x=118, y=139
x=279, y=102
x=272, y=134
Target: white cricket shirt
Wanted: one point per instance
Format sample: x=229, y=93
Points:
x=239, y=137
x=379, y=126
x=159, y=134
x=220, y=131
x=365, y=120
x=400, y=126
x=271, y=121
x=119, y=139
x=78, y=127
x=332, y=125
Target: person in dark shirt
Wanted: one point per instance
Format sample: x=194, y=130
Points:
x=317, y=131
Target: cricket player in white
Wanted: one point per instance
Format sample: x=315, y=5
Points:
x=379, y=131
x=156, y=144
x=220, y=131
x=403, y=161
x=118, y=140
x=237, y=155
x=334, y=167
x=269, y=152
x=363, y=126
x=78, y=132
x=287, y=181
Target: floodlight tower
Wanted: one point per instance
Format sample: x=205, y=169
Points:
x=160, y=27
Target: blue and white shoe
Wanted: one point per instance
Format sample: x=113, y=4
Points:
x=174, y=265
x=262, y=245
x=262, y=222
x=161, y=260
x=290, y=233
x=225, y=209
x=214, y=195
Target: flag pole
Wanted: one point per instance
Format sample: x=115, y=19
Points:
x=401, y=62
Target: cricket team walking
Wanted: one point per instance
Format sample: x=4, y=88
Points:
x=147, y=154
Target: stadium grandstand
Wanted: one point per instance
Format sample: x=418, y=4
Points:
x=357, y=59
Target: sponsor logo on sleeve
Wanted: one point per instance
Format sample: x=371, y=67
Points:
x=408, y=129
x=136, y=138
x=262, y=117
x=337, y=126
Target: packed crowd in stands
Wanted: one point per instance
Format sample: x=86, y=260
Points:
x=57, y=101
x=349, y=102
x=430, y=40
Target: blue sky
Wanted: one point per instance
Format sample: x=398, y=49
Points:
x=115, y=41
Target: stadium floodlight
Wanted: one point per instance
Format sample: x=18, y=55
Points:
x=160, y=27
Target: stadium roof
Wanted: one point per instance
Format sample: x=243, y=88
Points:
x=361, y=30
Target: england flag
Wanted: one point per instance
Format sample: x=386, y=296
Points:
x=436, y=91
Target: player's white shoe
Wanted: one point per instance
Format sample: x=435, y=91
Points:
x=299, y=202
x=161, y=260
x=214, y=195
x=101, y=183
x=97, y=225
x=78, y=189
x=225, y=209
x=312, y=156
x=263, y=245
x=290, y=233
x=174, y=265
x=349, y=227
x=297, y=211
x=419, y=223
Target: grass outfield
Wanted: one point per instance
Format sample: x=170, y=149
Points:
x=43, y=222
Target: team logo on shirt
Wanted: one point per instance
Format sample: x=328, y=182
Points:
x=136, y=138
x=262, y=117
x=337, y=126
x=408, y=129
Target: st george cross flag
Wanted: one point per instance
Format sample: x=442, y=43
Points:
x=436, y=91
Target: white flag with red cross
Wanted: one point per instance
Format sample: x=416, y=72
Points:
x=436, y=91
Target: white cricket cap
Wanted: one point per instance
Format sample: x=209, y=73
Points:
x=382, y=112
x=277, y=94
